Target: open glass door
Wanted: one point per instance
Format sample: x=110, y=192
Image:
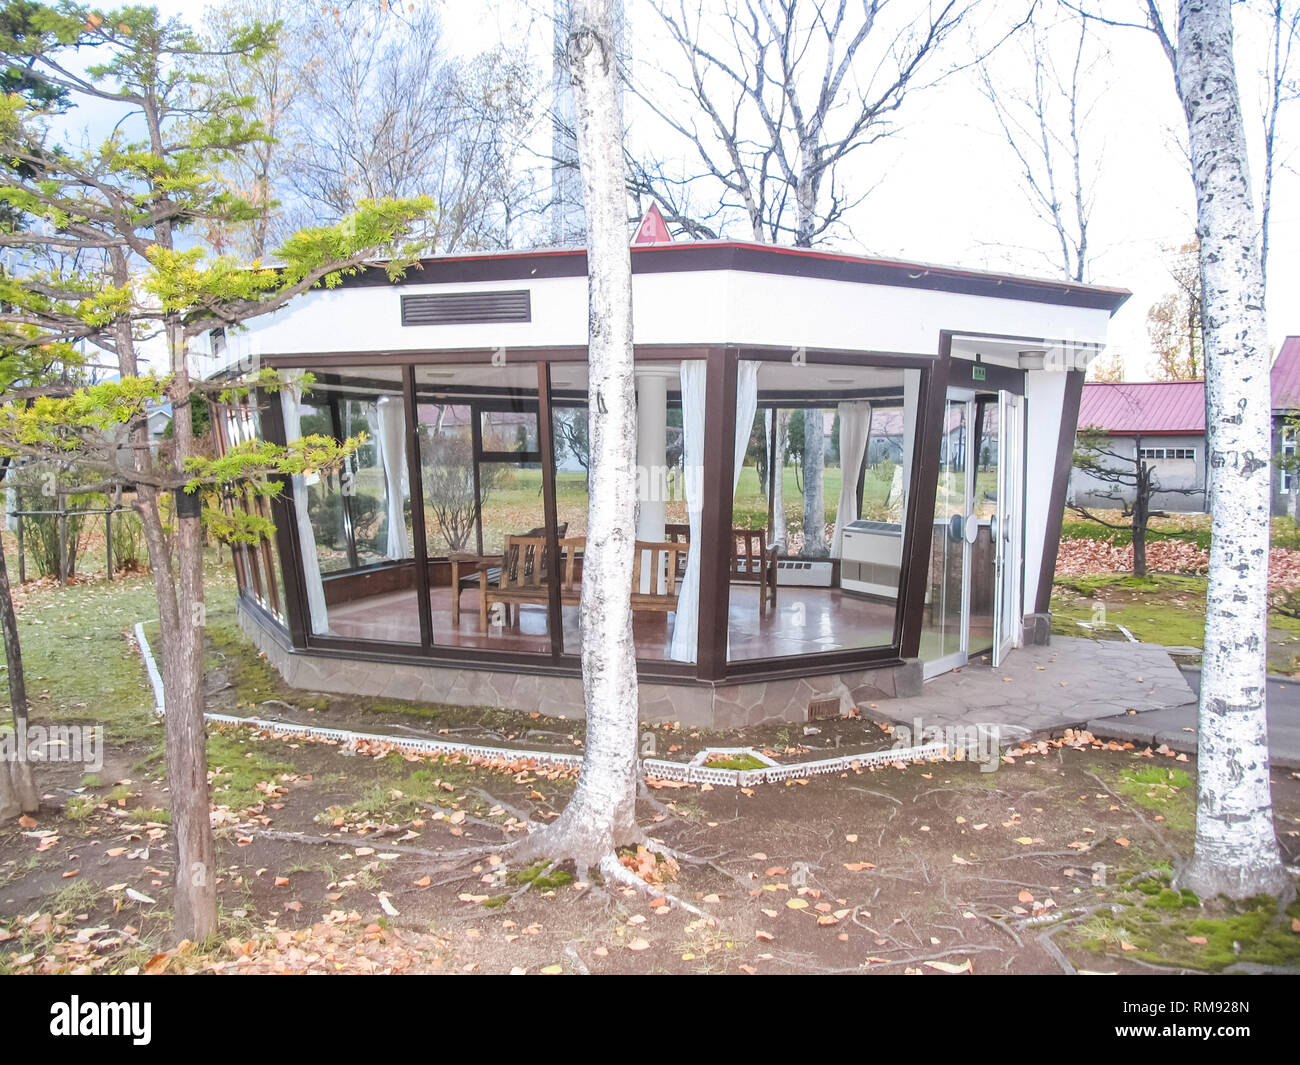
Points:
x=945, y=630
x=1007, y=527
x=972, y=603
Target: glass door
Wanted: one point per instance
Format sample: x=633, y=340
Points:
x=945, y=630
x=972, y=602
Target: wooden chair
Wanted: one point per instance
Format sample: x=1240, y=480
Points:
x=754, y=562
x=525, y=576
x=466, y=568
x=679, y=534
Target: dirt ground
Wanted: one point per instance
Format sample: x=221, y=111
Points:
x=335, y=860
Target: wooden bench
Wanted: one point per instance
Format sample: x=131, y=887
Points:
x=664, y=558
x=525, y=576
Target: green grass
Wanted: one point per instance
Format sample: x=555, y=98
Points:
x=405, y=793
x=735, y=761
x=159, y=815
x=1165, y=609
x=1080, y=529
x=252, y=677
x=517, y=504
x=236, y=765
x=78, y=664
x=1166, y=791
x=78, y=896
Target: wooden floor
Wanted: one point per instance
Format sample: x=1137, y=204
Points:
x=805, y=621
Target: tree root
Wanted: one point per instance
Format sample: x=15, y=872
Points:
x=1158, y=837
x=571, y=952
x=461, y=855
x=1054, y=952
x=522, y=816
x=616, y=872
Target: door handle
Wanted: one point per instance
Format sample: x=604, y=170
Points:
x=972, y=528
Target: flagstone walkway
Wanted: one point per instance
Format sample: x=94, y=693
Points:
x=1045, y=689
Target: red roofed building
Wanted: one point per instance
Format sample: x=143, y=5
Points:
x=1284, y=383
x=1166, y=419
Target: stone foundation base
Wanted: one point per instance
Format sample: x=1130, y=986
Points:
x=725, y=706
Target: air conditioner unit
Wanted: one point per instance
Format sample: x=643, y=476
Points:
x=799, y=574
x=871, y=559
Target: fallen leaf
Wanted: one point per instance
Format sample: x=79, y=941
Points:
x=967, y=966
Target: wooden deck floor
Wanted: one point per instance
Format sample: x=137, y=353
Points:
x=805, y=621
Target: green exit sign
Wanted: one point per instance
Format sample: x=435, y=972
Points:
x=977, y=373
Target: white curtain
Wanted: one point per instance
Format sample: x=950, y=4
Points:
x=390, y=440
x=686, y=625
x=306, y=538
x=855, y=427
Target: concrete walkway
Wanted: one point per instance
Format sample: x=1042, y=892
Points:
x=1176, y=726
x=1044, y=690
x=1117, y=690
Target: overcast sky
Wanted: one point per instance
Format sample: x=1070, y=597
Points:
x=948, y=185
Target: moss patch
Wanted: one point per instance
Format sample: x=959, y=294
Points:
x=237, y=764
x=1169, y=792
x=1166, y=927
x=735, y=761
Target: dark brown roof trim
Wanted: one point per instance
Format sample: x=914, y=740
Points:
x=754, y=258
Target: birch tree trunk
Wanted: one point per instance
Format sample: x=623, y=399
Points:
x=780, y=536
x=601, y=814
x=814, y=485
x=1236, y=851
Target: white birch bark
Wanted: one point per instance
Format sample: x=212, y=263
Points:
x=601, y=814
x=1236, y=851
x=781, y=422
x=814, y=485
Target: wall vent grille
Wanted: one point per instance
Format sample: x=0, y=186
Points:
x=467, y=308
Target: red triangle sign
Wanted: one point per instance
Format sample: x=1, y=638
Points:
x=653, y=229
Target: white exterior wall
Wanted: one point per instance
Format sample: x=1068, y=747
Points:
x=697, y=307
x=1044, y=401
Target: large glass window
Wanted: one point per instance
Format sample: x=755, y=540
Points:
x=257, y=566
x=354, y=523
x=823, y=467
x=490, y=569
x=818, y=513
